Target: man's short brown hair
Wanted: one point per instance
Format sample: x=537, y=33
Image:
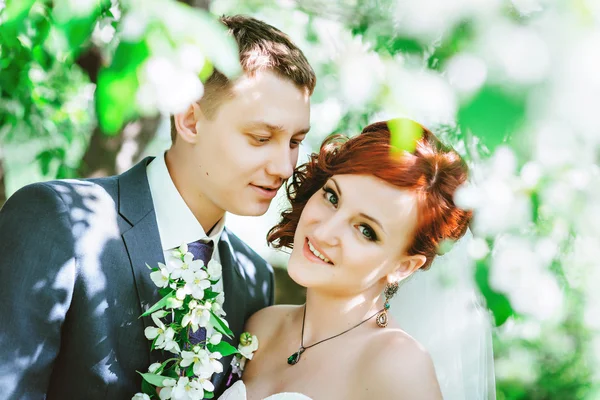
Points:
x=262, y=47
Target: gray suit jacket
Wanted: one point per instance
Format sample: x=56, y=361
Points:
x=74, y=281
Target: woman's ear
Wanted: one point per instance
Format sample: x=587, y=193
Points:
x=406, y=267
x=186, y=123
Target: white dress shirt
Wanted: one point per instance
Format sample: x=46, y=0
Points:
x=176, y=222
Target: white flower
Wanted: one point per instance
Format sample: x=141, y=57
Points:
x=140, y=396
x=199, y=316
x=209, y=364
x=160, y=277
x=152, y=332
x=238, y=363
x=213, y=361
x=180, y=251
x=206, y=384
x=196, y=281
x=181, y=262
x=174, y=302
x=214, y=270
x=187, y=389
x=249, y=349
x=167, y=389
x=175, y=266
x=215, y=338
x=198, y=357
x=217, y=305
x=153, y=367
x=192, y=264
x=169, y=343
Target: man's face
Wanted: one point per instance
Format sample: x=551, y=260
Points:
x=249, y=147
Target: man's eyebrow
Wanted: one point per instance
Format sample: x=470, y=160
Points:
x=274, y=128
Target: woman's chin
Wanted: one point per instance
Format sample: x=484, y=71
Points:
x=304, y=274
x=299, y=277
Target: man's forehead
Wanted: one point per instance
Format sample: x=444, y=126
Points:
x=273, y=127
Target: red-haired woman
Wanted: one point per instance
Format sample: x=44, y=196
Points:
x=363, y=218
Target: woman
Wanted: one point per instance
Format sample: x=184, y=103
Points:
x=364, y=217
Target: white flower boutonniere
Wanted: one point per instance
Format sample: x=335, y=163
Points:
x=246, y=349
x=189, y=302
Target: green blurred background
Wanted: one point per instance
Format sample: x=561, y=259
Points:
x=86, y=88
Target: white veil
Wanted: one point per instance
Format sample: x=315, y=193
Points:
x=441, y=310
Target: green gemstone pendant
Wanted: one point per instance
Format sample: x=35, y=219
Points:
x=295, y=358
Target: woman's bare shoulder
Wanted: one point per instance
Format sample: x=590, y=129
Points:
x=397, y=366
x=267, y=321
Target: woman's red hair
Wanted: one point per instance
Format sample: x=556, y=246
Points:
x=433, y=171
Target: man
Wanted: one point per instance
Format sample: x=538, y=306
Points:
x=73, y=253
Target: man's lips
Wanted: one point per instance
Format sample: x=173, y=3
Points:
x=268, y=192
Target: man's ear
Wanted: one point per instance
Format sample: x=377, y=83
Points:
x=406, y=267
x=186, y=123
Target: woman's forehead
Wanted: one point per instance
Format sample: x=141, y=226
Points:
x=395, y=208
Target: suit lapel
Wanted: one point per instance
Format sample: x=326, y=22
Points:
x=142, y=241
x=143, y=245
x=234, y=287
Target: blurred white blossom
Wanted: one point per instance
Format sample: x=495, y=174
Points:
x=517, y=53
x=519, y=364
x=430, y=18
x=466, y=72
x=168, y=86
x=421, y=95
x=497, y=195
x=519, y=271
x=361, y=73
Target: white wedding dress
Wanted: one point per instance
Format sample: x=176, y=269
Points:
x=238, y=392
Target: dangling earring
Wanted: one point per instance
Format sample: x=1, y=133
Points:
x=389, y=292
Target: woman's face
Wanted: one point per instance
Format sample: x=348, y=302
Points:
x=352, y=234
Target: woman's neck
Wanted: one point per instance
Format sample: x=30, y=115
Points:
x=328, y=315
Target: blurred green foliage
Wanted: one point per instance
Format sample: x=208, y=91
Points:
x=49, y=96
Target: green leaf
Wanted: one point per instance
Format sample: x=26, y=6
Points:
x=404, y=134
x=115, y=99
x=459, y=40
x=209, y=294
x=206, y=72
x=164, y=364
x=496, y=302
x=404, y=45
x=154, y=379
x=224, y=348
x=160, y=304
x=17, y=10
x=493, y=115
x=118, y=85
x=189, y=371
x=220, y=326
x=209, y=395
x=148, y=389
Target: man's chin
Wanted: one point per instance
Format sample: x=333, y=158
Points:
x=251, y=210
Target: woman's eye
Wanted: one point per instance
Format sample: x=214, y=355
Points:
x=295, y=143
x=367, y=232
x=261, y=139
x=330, y=196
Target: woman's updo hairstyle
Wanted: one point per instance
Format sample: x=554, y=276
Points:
x=433, y=171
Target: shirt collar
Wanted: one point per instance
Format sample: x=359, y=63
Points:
x=176, y=222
